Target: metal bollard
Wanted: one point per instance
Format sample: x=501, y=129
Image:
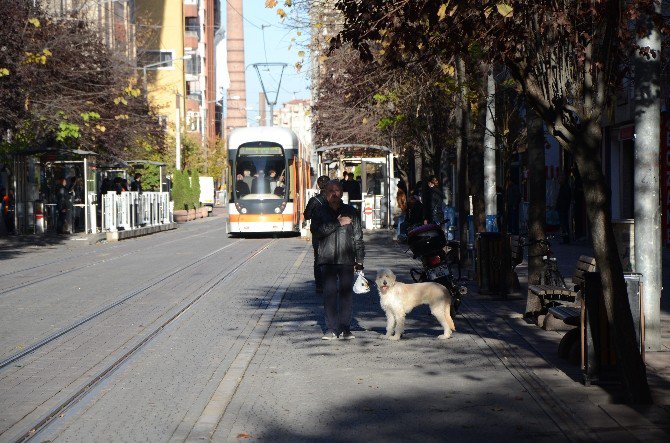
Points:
x=38, y=211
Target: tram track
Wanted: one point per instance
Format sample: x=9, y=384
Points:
x=158, y=280
x=85, y=266
x=109, y=369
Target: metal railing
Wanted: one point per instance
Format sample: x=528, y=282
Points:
x=132, y=210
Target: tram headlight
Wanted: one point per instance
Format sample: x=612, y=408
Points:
x=280, y=208
x=243, y=210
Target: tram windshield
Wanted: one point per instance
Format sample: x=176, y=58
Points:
x=261, y=173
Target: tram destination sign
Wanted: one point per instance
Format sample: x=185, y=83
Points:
x=260, y=150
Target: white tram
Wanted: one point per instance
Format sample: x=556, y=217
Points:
x=270, y=174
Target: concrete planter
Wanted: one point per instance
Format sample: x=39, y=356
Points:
x=180, y=215
x=191, y=214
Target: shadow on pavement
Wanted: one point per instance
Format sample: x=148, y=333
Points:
x=15, y=245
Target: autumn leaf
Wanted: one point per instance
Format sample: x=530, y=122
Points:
x=288, y=3
x=4, y=72
x=270, y=3
x=442, y=12
x=243, y=435
x=35, y=22
x=301, y=53
x=281, y=13
x=505, y=10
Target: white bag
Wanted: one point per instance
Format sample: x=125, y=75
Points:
x=361, y=285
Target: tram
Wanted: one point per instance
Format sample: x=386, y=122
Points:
x=270, y=176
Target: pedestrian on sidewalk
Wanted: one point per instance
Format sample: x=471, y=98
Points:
x=313, y=204
x=433, y=202
x=341, y=252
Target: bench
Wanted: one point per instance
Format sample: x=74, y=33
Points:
x=548, y=294
x=516, y=258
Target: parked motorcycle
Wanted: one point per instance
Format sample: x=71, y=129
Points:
x=437, y=255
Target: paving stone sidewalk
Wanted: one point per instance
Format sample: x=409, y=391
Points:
x=497, y=378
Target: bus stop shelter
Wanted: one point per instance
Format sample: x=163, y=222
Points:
x=377, y=180
x=36, y=173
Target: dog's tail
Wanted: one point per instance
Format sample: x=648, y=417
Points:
x=450, y=320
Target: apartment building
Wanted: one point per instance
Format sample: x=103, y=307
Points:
x=176, y=55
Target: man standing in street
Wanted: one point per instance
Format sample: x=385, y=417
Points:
x=136, y=185
x=312, y=207
x=62, y=207
x=341, y=251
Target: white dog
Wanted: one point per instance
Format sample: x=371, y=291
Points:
x=398, y=299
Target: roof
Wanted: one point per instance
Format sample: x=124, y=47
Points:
x=353, y=150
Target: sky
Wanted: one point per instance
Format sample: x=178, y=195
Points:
x=268, y=40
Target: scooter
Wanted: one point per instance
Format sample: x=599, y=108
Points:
x=437, y=255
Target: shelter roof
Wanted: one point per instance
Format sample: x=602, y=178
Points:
x=59, y=152
x=353, y=150
x=145, y=162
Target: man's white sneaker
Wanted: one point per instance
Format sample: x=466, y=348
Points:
x=330, y=335
x=347, y=335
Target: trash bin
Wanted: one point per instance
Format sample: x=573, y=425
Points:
x=598, y=355
x=493, y=263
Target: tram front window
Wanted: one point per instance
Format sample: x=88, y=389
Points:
x=261, y=173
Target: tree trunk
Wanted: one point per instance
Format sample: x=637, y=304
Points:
x=537, y=197
x=648, y=241
x=462, y=121
x=476, y=161
x=586, y=148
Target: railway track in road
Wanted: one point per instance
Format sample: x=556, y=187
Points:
x=61, y=273
x=124, y=298
x=33, y=430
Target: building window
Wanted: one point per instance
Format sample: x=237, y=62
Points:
x=193, y=65
x=193, y=121
x=193, y=90
x=192, y=27
x=159, y=59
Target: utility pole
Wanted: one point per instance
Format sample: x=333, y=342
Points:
x=177, y=130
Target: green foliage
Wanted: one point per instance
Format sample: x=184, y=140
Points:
x=180, y=190
x=67, y=130
x=185, y=189
x=217, y=160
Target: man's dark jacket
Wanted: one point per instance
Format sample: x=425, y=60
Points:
x=338, y=245
x=313, y=205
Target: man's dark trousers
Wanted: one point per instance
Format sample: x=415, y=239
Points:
x=338, y=320
x=318, y=280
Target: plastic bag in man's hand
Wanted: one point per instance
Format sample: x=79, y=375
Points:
x=361, y=285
